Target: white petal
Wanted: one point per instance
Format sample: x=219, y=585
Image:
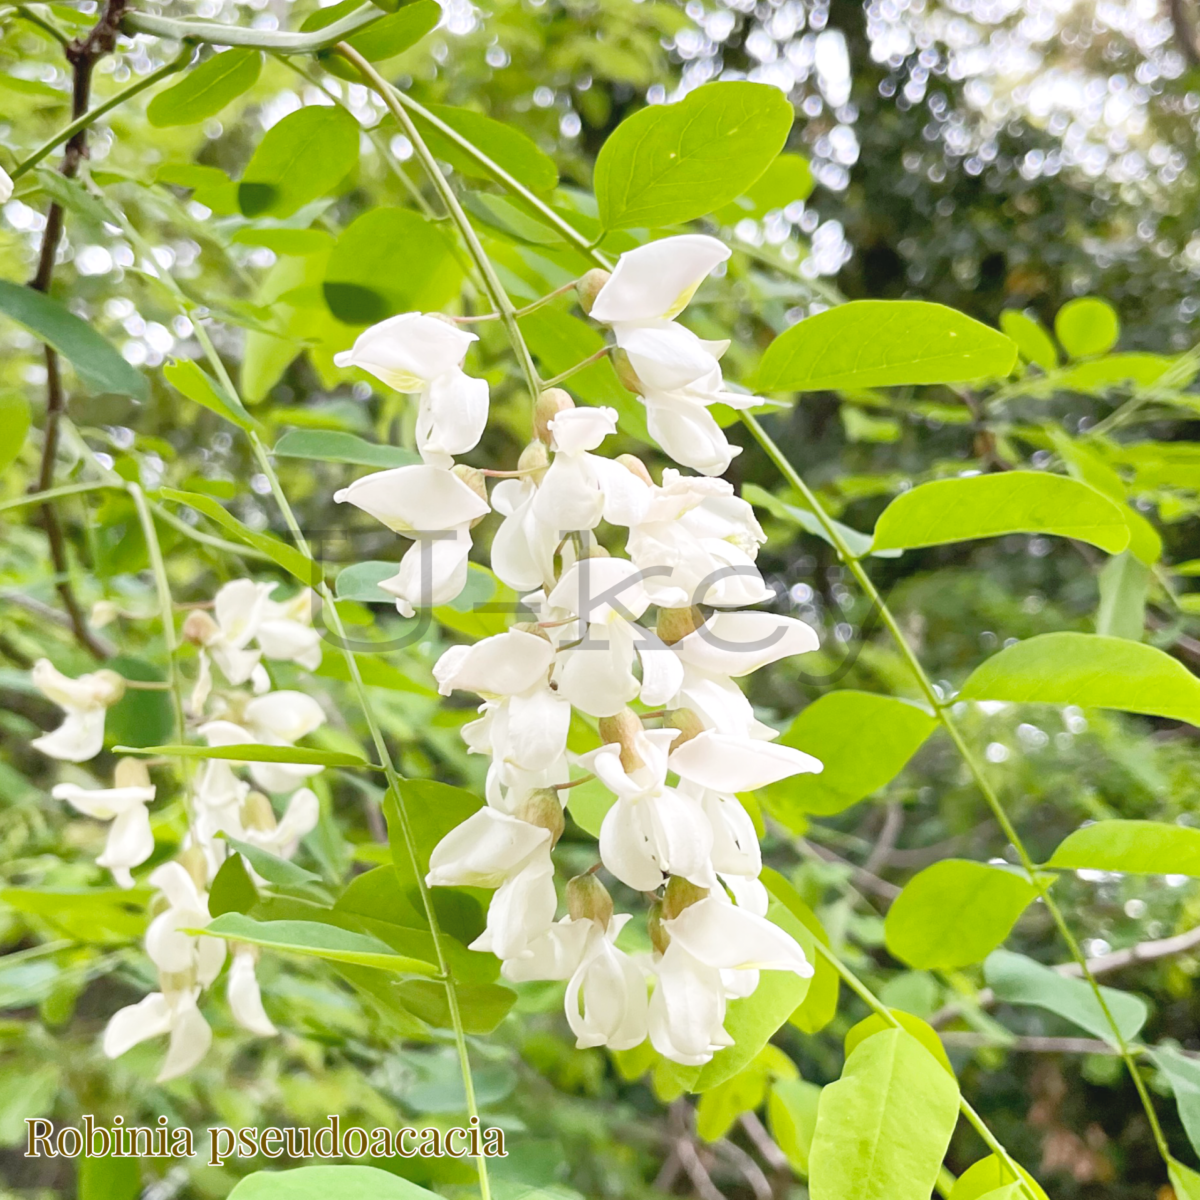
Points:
x=662, y=672
x=628, y=848
x=735, y=848
x=78, y=738
x=555, y=955
x=720, y=935
x=236, y=665
x=539, y=722
x=245, y=999
x=284, y=717
x=657, y=280
x=501, y=665
x=687, y=1010
x=417, y=498
x=406, y=351
x=102, y=803
x=688, y=433
x=130, y=842
x=238, y=608
x=627, y=498
x=290, y=641
x=190, y=1039
x=577, y=429
x=88, y=691
x=452, y=417
x=128, y=1027
x=569, y=497
x=738, y=643
x=732, y=764
x=484, y=850
x=432, y=572
x=601, y=589
x=281, y=778
x=6, y=186
x=598, y=677
x=521, y=911
x=665, y=356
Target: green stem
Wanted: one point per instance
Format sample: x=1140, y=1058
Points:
x=940, y=709
x=54, y=493
x=45, y=26
x=213, y=34
x=873, y=1002
x=90, y=117
x=491, y=281
x=579, y=366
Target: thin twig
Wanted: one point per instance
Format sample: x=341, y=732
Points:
x=893, y=823
x=753, y=1174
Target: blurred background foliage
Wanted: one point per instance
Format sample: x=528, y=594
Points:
x=987, y=154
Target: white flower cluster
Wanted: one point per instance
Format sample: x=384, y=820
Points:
x=675, y=767
x=245, y=627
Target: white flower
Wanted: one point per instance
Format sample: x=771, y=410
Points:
x=281, y=837
x=276, y=719
x=285, y=632
x=521, y=910
x=435, y=508
x=84, y=700
x=679, y=421
x=245, y=998
x=6, y=186
x=130, y=841
x=415, y=352
x=597, y=673
x=655, y=282
x=652, y=830
x=176, y=953
x=721, y=935
x=580, y=488
x=707, y=537
x=158, y=1013
x=606, y=996
x=524, y=545
x=525, y=723
x=238, y=610
x=726, y=763
x=686, y=1016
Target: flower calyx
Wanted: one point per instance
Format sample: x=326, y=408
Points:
x=687, y=721
x=543, y=808
x=674, y=624
x=588, y=900
x=131, y=773
x=475, y=480
x=199, y=628
x=547, y=406
x=624, y=728
x=679, y=894
x=589, y=285
x=534, y=461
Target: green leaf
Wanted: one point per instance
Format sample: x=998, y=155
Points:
x=720, y=1107
x=884, y=1126
x=142, y=716
x=482, y=1006
x=292, y=561
x=988, y=1176
x=831, y=728
x=792, y=1119
x=819, y=1005
x=272, y=868
x=14, y=427
x=509, y=147
x=955, y=913
x=94, y=916
x=361, y=581
x=75, y=198
x=1090, y=671
x=883, y=343
x=254, y=752
x=1087, y=326
x=96, y=361
x=324, y=1183
x=108, y=1178
x=331, y=445
x=923, y=1032
x=385, y=39
x=1183, y=1073
x=1034, y=344
x=1184, y=1180
x=206, y=89
x=1101, y=375
x=389, y=261
x=302, y=157
x=673, y=162
x=186, y=376
x=1131, y=847
x=315, y=939
x=484, y=607
x=955, y=510
x=432, y=809
x=1016, y=979
x=1124, y=582
x=788, y=179
x=373, y=671
x=232, y=890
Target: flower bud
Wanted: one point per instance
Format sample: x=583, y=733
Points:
x=104, y=612
x=660, y=939
x=687, y=722
x=131, y=772
x=199, y=628
x=674, y=624
x=473, y=478
x=588, y=288
x=529, y=627
x=257, y=813
x=549, y=404
x=542, y=807
x=193, y=862
x=110, y=687
x=588, y=900
x=624, y=728
x=625, y=372
x=534, y=460
x=680, y=894
x=631, y=462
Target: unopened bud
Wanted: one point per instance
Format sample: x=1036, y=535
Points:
x=625, y=728
x=588, y=900
x=529, y=627
x=588, y=288
x=534, y=460
x=625, y=372
x=110, y=687
x=199, y=628
x=257, y=813
x=687, y=722
x=549, y=404
x=674, y=624
x=631, y=462
x=660, y=939
x=475, y=480
x=194, y=863
x=543, y=808
x=131, y=772
x=680, y=894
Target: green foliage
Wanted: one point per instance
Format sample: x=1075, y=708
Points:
x=316, y=1183
x=1087, y=326
x=186, y=377
x=883, y=343
x=207, y=89
x=1132, y=847
x=671, y=163
x=955, y=913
